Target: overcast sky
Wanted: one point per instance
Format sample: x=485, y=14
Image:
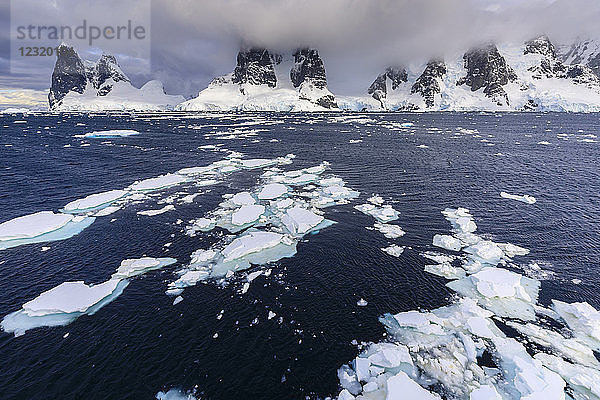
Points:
x=192, y=41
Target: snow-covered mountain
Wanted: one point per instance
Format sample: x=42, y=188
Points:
x=506, y=78
x=101, y=86
x=528, y=77
x=266, y=81
x=586, y=52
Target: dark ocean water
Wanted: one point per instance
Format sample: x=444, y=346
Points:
x=141, y=344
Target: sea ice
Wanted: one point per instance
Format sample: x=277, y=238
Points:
x=41, y=227
x=159, y=182
x=272, y=191
x=243, y=198
x=151, y=213
x=390, y=231
x=32, y=225
x=299, y=221
x=582, y=318
x=447, y=242
x=394, y=250
x=94, y=201
x=62, y=305
x=247, y=214
x=111, y=134
x=524, y=198
x=134, y=267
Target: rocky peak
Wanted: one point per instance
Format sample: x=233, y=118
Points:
x=541, y=45
x=107, y=72
x=69, y=75
x=396, y=75
x=427, y=85
x=585, y=52
x=108, y=68
x=308, y=66
x=256, y=66
x=487, y=69
x=551, y=67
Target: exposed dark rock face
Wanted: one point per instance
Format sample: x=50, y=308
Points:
x=308, y=73
x=551, y=67
x=427, y=85
x=308, y=67
x=585, y=53
x=69, y=75
x=487, y=69
x=541, y=45
x=257, y=67
x=396, y=75
x=72, y=75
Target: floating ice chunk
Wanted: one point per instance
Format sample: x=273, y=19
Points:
x=461, y=219
x=114, y=133
x=271, y=315
x=106, y=211
x=582, y=318
x=189, y=278
x=501, y=291
x=151, y=213
x=197, y=170
x=512, y=250
x=486, y=252
x=95, y=201
x=159, y=182
x=400, y=387
x=134, y=267
x=257, y=163
x=382, y=214
x=362, y=302
x=485, y=392
x=252, y=242
x=570, y=348
x=202, y=224
x=394, y=250
x=272, y=191
x=247, y=214
x=390, y=231
x=377, y=200
x=174, y=394
x=524, y=198
x=243, y=198
x=498, y=282
x=302, y=179
x=447, y=242
x=62, y=305
x=584, y=381
x=33, y=225
x=299, y=221
x=41, y=227
x=446, y=270
x=177, y=300
x=282, y=204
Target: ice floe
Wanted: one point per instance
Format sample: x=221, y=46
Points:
x=394, y=250
x=460, y=352
x=44, y=226
x=30, y=226
x=94, y=201
x=68, y=301
x=522, y=198
x=159, y=182
x=115, y=133
x=390, y=231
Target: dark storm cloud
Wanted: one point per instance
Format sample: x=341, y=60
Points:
x=193, y=41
